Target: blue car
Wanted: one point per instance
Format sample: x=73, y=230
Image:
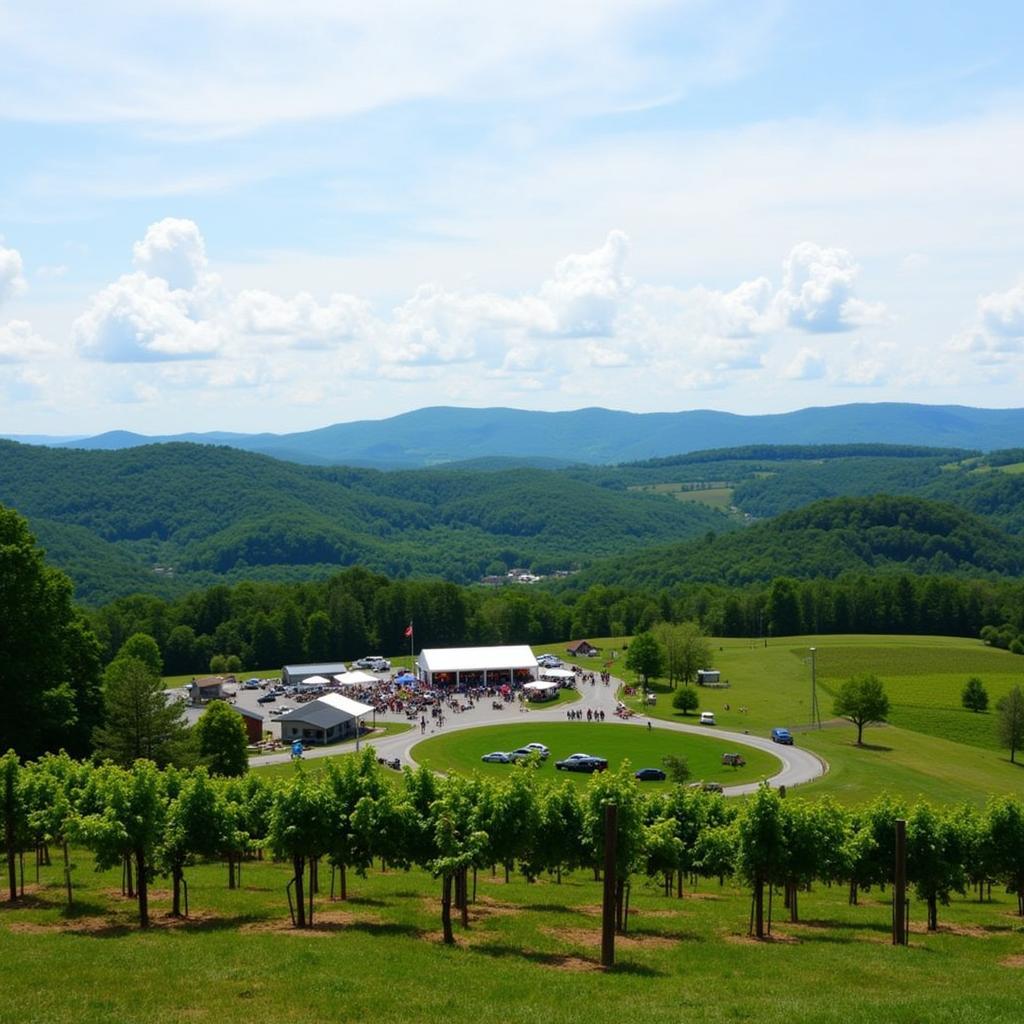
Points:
x=782, y=736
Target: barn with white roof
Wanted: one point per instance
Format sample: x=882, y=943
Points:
x=476, y=666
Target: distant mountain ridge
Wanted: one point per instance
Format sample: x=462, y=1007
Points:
x=444, y=434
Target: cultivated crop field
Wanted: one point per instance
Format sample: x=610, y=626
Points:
x=461, y=751
x=530, y=954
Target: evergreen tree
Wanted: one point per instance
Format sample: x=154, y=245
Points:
x=140, y=722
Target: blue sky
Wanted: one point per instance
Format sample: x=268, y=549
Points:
x=248, y=215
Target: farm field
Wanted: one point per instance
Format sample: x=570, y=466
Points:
x=530, y=953
x=461, y=751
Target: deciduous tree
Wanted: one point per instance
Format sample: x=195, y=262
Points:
x=863, y=701
x=1011, y=721
x=222, y=740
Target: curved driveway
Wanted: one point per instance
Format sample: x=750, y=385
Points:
x=798, y=765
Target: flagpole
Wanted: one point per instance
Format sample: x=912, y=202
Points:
x=412, y=655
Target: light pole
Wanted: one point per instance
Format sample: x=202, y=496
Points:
x=815, y=712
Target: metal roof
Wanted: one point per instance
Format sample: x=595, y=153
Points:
x=326, y=668
x=325, y=711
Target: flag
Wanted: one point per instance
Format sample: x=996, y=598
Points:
x=408, y=631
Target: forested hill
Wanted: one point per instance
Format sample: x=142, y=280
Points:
x=827, y=539
x=601, y=436
x=163, y=518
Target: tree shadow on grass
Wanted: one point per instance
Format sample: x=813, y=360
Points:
x=572, y=962
x=386, y=928
x=364, y=901
x=877, y=747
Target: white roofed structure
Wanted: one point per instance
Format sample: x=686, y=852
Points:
x=356, y=678
x=476, y=666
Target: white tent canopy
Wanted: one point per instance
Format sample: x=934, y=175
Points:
x=540, y=687
x=557, y=673
x=356, y=678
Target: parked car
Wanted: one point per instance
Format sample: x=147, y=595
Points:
x=707, y=787
x=267, y=698
x=707, y=718
x=782, y=736
x=497, y=757
x=734, y=760
x=539, y=747
x=549, y=661
x=251, y=684
x=582, y=763
x=375, y=663
x=649, y=775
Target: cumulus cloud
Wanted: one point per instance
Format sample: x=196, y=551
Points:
x=817, y=293
x=587, y=316
x=12, y=281
x=301, y=320
x=586, y=290
x=998, y=328
x=19, y=343
x=142, y=319
x=174, y=250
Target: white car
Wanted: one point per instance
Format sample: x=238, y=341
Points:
x=375, y=663
x=498, y=757
x=707, y=718
x=538, y=747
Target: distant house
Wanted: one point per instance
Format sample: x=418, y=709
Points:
x=327, y=719
x=292, y=675
x=253, y=724
x=582, y=649
x=202, y=691
x=708, y=676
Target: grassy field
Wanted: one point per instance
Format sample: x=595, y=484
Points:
x=531, y=954
x=288, y=768
x=461, y=751
x=934, y=748
x=718, y=496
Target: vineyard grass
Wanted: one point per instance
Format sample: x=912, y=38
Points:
x=461, y=751
x=531, y=953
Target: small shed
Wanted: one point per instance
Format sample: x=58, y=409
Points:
x=253, y=724
x=708, y=676
x=582, y=649
x=202, y=691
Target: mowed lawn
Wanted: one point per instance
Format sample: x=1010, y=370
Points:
x=642, y=748
x=934, y=751
x=924, y=678
x=530, y=954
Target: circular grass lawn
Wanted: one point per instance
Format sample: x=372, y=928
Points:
x=461, y=751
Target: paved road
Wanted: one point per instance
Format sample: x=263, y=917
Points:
x=798, y=765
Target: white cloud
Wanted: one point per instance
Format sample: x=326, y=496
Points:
x=807, y=364
x=12, y=281
x=315, y=59
x=585, y=292
x=19, y=343
x=142, y=319
x=301, y=321
x=817, y=291
x=174, y=250
x=998, y=328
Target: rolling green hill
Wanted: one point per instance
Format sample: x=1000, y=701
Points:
x=162, y=518
x=827, y=539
